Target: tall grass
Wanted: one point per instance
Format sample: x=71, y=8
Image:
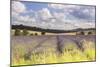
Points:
x=70, y=54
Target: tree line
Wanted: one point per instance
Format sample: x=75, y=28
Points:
x=25, y=32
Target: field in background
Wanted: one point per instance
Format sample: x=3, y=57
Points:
x=46, y=33
x=26, y=50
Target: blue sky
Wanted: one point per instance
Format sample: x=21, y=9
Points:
x=34, y=5
x=46, y=15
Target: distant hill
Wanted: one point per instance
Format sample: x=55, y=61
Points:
x=48, y=30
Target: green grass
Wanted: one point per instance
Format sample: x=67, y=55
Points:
x=49, y=56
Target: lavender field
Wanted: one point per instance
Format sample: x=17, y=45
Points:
x=26, y=50
x=52, y=33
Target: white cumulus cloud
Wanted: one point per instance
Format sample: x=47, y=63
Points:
x=68, y=17
x=44, y=14
x=18, y=7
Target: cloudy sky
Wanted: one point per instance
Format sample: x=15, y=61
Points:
x=53, y=16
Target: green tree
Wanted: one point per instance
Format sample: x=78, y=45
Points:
x=82, y=33
x=17, y=32
x=42, y=33
x=31, y=34
x=89, y=33
x=25, y=32
x=36, y=34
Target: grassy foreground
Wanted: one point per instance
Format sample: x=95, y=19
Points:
x=49, y=56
